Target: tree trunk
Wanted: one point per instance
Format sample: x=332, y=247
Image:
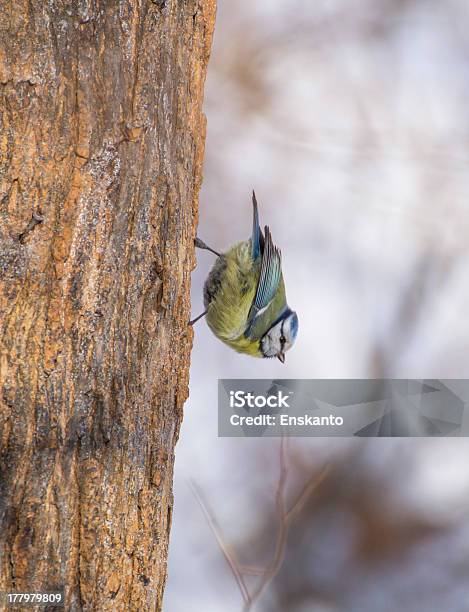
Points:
x=101, y=149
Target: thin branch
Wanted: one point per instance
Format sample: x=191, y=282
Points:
x=285, y=517
x=310, y=487
x=282, y=481
x=225, y=549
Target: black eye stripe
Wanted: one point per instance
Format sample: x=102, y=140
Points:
x=282, y=337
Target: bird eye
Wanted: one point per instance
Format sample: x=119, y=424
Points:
x=282, y=339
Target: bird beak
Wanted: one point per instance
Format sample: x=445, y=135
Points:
x=281, y=357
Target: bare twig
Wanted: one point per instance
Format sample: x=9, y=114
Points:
x=285, y=517
x=315, y=480
x=225, y=549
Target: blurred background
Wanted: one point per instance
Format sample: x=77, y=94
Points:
x=350, y=119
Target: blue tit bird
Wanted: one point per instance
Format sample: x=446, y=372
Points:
x=244, y=296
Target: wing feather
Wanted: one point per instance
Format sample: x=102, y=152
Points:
x=257, y=239
x=269, y=278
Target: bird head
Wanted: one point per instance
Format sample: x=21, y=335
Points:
x=281, y=336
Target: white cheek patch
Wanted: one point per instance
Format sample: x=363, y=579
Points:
x=267, y=347
x=271, y=344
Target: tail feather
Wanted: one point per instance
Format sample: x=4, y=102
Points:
x=257, y=239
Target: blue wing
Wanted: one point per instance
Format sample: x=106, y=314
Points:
x=257, y=239
x=269, y=279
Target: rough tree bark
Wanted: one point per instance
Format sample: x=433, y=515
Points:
x=101, y=149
